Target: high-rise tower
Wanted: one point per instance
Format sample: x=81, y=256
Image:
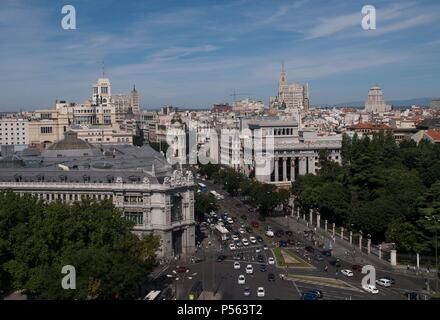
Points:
x=134, y=101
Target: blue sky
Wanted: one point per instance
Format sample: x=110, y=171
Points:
x=196, y=53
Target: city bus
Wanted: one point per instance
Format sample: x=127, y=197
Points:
x=203, y=187
x=152, y=295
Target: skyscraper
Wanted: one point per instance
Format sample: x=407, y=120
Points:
x=376, y=102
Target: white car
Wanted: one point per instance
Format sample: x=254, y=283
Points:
x=271, y=260
x=269, y=233
x=258, y=250
x=245, y=242
x=236, y=265
x=347, y=273
x=252, y=240
x=260, y=292
x=370, y=288
x=232, y=247
x=384, y=282
x=249, y=269
x=230, y=221
x=242, y=231
x=241, y=279
x=235, y=237
x=265, y=248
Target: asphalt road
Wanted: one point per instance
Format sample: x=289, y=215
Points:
x=221, y=278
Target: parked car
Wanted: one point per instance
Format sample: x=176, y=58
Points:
x=260, y=258
x=259, y=239
x=235, y=237
x=236, y=265
x=263, y=268
x=247, y=291
x=241, y=279
x=269, y=233
x=242, y=231
x=260, y=292
x=253, y=240
x=245, y=241
x=255, y=224
x=291, y=242
x=282, y=243
x=232, y=247
x=271, y=260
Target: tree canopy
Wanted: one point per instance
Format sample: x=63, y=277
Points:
x=37, y=239
x=381, y=188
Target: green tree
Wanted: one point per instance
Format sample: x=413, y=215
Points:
x=110, y=260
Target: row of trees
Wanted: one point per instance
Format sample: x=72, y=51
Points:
x=262, y=195
x=387, y=190
x=37, y=239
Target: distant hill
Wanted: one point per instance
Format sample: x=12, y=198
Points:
x=396, y=103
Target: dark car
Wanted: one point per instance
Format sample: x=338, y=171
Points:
x=263, y=268
x=279, y=233
x=197, y=260
x=319, y=257
x=336, y=263
x=282, y=243
x=310, y=249
x=317, y=292
x=291, y=242
x=326, y=253
x=289, y=233
x=259, y=239
x=271, y=277
x=356, y=267
x=309, y=296
x=221, y=258
x=260, y=258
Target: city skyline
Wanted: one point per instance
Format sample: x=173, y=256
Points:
x=197, y=54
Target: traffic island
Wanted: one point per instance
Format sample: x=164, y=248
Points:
x=285, y=258
x=322, y=281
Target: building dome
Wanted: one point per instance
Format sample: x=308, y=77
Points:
x=70, y=142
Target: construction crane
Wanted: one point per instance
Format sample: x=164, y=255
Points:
x=235, y=94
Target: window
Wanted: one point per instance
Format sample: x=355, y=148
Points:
x=46, y=130
x=104, y=90
x=176, y=208
x=136, y=217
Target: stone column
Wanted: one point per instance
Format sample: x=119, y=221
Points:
x=325, y=225
x=369, y=246
x=297, y=213
x=334, y=229
x=292, y=169
x=284, y=169
x=380, y=252
x=393, y=258
x=304, y=216
x=360, y=242
x=311, y=217
x=318, y=220
x=342, y=233
x=351, y=237
x=276, y=170
x=418, y=261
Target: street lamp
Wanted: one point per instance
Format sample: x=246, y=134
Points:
x=437, y=220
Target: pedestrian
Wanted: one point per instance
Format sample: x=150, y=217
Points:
x=325, y=268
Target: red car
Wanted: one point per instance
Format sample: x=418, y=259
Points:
x=182, y=269
x=255, y=224
x=356, y=267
